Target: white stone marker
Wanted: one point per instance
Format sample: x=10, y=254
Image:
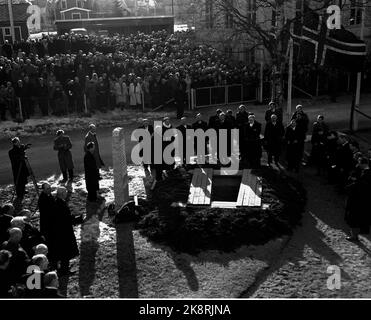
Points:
x=120, y=174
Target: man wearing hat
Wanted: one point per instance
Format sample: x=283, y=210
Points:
x=213, y=120
x=273, y=110
x=148, y=127
x=63, y=145
x=91, y=136
x=20, y=171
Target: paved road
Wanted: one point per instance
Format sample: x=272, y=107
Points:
x=43, y=158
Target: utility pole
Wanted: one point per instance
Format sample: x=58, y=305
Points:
x=11, y=19
x=359, y=77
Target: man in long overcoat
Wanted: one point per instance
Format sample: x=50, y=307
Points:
x=63, y=145
x=62, y=243
x=252, y=142
x=20, y=171
x=46, y=204
x=91, y=136
x=294, y=137
x=273, y=136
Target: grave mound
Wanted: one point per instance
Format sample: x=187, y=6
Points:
x=191, y=228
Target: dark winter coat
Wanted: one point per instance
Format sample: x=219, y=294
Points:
x=19, y=168
x=46, y=206
x=91, y=172
x=62, y=243
x=91, y=137
x=273, y=136
x=63, y=145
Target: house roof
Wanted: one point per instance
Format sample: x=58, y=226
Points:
x=74, y=8
x=15, y=2
x=19, y=10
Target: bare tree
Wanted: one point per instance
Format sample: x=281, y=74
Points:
x=266, y=24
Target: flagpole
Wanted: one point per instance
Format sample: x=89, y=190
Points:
x=359, y=77
x=289, y=85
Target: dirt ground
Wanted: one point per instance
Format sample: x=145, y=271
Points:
x=301, y=270
x=121, y=263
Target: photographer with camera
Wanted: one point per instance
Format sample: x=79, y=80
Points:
x=18, y=158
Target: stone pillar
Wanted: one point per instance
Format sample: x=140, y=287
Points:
x=120, y=174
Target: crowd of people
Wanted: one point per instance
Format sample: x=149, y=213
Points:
x=52, y=245
x=68, y=73
x=42, y=252
x=334, y=155
x=33, y=259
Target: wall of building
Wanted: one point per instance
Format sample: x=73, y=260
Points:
x=69, y=15
x=221, y=36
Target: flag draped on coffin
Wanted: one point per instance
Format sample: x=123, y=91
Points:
x=314, y=42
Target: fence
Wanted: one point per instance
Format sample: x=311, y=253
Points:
x=223, y=95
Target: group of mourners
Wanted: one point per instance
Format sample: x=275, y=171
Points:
x=334, y=155
x=34, y=259
x=52, y=246
x=44, y=252
x=73, y=73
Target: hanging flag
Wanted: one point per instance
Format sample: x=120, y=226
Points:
x=336, y=48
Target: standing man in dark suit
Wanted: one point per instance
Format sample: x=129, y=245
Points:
x=319, y=143
x=182, y=128
x=166, y=125
x=91, y=173
x=46, y=204
x=293, y=137
x=273, y=136
x=91, y=136
x=202, y=125
x=253, y=143
x=64, y=246
x=17, y=157
x=148, y=127
x=343, y=160
x=213, y=120
x=63, y=145
x=273, y=110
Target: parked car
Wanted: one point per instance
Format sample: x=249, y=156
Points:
x=80, y=31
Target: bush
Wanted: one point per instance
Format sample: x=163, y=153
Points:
x=191, y=229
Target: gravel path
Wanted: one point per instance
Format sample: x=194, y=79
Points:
x=301, y=270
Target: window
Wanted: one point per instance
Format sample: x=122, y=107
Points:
x=64, y=4
x=249, y=56
x=355, y=12
x=251, y=11
x=76, y=16
x=6, y=34
x=229, y=15
x=80, y=3
x=209, y=14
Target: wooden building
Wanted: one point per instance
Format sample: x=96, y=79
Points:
x=20, y=16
